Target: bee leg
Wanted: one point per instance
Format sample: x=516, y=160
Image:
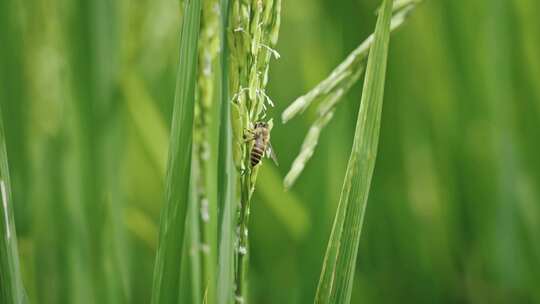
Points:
x=248, y=135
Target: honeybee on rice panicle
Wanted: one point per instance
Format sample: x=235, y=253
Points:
x=260, y=135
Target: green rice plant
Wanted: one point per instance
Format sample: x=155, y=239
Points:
x=151, y=128
x=11, y=286
x=252, y=35
x=12, y=289
x=332, y=89
x=206, y=143
x=167, y=267
x=336, y=281
x=86, y=99
x=226, y=175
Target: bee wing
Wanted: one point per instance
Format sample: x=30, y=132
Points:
x=270, y=153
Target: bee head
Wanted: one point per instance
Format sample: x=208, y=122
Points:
x=261, y=124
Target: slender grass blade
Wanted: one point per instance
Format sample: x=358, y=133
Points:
x=11, y=287
x=330, y=91
x=336, y=281
x=226, y=177
x=167, y=268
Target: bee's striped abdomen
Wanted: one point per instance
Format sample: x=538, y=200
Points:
x=256, y=155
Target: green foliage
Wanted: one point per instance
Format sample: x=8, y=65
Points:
x=335, y=285
x=252, y=35
x=11, y=286
x=206, y=143
x=332, y=89
x=172, y=223
x=226, y=175
x=87, y=91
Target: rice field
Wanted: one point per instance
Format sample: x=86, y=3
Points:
x=269, y=151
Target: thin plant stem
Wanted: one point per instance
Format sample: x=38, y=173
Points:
x=11, y=287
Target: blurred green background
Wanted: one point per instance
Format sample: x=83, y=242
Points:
x=86, y=90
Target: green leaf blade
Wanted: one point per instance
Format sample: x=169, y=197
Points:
x=172, y=223
x=335, y=285
x=226, y=177
x=11, y=287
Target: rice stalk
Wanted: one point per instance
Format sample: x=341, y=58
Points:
x=167, y=267
x=205, y=143
x=337, y=276
x=252, y=36
x=331, y=90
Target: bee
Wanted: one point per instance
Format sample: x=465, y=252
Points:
x=260, y=135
